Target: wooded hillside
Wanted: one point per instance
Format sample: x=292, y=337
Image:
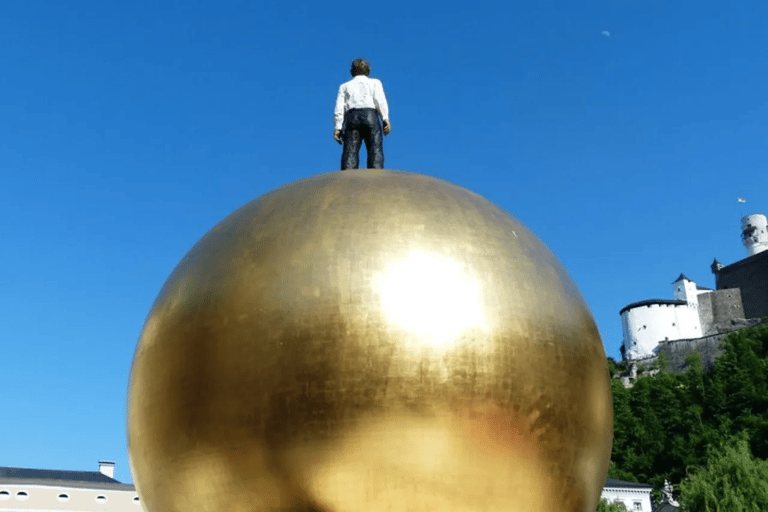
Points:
x=670, y=425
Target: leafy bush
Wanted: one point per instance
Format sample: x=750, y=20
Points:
x=604, y=506
x=733, y=481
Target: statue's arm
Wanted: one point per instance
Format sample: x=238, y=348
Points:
x=338, y=112
x=380, y=99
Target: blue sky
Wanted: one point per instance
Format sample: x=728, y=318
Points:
x=620, y=132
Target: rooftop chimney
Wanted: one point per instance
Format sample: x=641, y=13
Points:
x=107, y=468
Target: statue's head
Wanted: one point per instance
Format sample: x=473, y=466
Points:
x=360, y=67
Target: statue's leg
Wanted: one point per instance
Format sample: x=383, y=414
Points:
x=350, y=155
x=374, y=142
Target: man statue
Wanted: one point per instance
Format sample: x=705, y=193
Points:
x=666, y=496
x=359, y=104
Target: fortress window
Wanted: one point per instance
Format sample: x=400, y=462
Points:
x=4, y=495
x=22, y=495
x=101, y=498
x=63, y=497
x=135, y=500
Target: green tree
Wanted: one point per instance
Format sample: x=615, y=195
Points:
x=661, y=363
x=732, y=481
x=737, y=394
x=604, y=506
x=665, y=423
x=615, y=369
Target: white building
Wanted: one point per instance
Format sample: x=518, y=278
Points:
x=644, y=324
x=742, y=292
x=633, y=496
x=54, y=490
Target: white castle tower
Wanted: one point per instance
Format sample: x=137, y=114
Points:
x=646, y=323
x=754, y=233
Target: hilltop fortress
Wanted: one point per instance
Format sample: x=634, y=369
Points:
x=697, y=317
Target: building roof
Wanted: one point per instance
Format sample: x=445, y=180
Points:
x=650, y=302
x=749, y=260
x=612, y=482
x=92, y=479
x=681, y=277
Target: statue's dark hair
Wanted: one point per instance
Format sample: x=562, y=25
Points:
x=360, y=67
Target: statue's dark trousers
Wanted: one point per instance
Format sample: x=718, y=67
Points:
x=362, y=124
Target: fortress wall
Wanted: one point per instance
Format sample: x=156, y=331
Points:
x=705, y=313
x=726, y=304
x=677, y=351
x=751, y=276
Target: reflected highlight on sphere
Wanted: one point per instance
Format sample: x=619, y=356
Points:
x=369, y=340
x=430, y=296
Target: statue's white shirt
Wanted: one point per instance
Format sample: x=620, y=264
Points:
x=360, y=92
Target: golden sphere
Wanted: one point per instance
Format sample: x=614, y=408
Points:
x=369, y=341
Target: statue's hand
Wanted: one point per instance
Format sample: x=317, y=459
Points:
x=387, y=127
x=337, y=136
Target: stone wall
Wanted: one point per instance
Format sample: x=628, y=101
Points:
x=677, y=351
x=717, y=308
x=726, y=305
x=751, y=276
x=705, y=313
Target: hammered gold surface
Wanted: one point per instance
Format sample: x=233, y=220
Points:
x=369, y=341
